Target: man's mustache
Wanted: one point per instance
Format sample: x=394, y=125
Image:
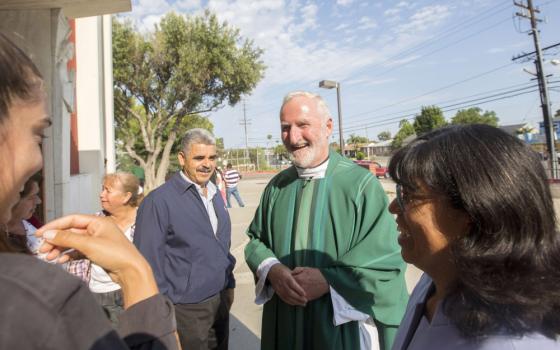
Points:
x=298, y=145
x=204, y=169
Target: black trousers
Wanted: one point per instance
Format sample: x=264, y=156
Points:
x=205, y=325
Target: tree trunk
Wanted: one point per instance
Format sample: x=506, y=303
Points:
x=165, y=155
x=149, y=178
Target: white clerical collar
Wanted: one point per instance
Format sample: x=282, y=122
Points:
x=313, y=173
x=209, y=186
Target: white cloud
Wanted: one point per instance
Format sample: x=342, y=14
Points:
x=495, y=50
x=424, y=19
x=309, y=17
x=368, y=82
x=294, y=59
x=397, y=9
x=402, y=61
x=367, y=23
x=392, y=11
x=186, y=5
x=344, y=2
x=341, y=26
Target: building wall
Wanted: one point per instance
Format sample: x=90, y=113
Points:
x=43, y=35
x=94, y=97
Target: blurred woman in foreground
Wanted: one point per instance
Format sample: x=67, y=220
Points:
x=20, y=232
x=41, y=306
x=475, y=214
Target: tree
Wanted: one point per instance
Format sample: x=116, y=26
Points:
x=356, y=139
x=429, y=119
x=405, y=130
x=335, y=147
x=474, y=115
x=360, y=155
x=165, y=79
x=384, y=136
x=280, y=152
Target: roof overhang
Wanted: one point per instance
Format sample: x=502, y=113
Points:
x=71, y=8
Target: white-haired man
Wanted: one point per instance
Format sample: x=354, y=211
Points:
x=323, y=245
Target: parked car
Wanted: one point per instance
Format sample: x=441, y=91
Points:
x=375, y=168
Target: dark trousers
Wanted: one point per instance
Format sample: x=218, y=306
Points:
x=205, y=325
x=112, y=303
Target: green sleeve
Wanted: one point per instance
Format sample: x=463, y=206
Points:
x=258, y=249
x=370, y=275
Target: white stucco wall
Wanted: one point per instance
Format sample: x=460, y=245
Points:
x=94, y=100
x=43, y=35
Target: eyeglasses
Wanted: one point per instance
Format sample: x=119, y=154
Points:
x=400, y=200
x=403, y=197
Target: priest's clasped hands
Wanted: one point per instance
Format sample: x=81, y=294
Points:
x=297, y=286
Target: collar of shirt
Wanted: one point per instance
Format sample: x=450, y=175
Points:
x=211, y=188
x=317, y=172
x=207, y=201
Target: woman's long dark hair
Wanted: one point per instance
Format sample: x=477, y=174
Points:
x=508, y=263
x=20, y=80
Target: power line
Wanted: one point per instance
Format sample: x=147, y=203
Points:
x=440, y=48
x=459, y=98
x=413, y=98
x=454, y=107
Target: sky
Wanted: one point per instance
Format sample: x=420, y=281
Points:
x=390, y=58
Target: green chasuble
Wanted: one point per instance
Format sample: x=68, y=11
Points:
x=341, y=225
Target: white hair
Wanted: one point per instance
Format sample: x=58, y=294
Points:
x=322, y=107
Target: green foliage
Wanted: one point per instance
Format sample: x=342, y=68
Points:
x=405, y=130
x=335, y=147
x=258, y=158
x=384, y=136
x=236, y=157
x=356, y=139
x=165, y=79
x=280, y=151
x=429, y=119
x=474, y=115
x=360, y=155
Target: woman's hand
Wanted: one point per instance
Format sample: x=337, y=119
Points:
x=102, y=242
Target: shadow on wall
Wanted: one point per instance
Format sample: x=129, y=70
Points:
x=241, y=336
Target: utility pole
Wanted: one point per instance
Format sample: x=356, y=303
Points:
x=543, y=88
x=257, y=157
x=245, y=122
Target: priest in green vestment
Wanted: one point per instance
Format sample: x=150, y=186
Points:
x=323, y=245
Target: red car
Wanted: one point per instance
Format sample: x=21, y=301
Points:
x=374, y=167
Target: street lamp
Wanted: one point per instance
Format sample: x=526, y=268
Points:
x=329, y=84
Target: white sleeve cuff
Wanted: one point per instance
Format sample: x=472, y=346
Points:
x=344, y=312
x=264, y=293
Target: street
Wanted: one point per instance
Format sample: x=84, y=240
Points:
x=245, y=320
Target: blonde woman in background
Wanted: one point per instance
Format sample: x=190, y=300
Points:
x=119, y=199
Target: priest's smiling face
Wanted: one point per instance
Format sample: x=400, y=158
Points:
x=306, y=129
